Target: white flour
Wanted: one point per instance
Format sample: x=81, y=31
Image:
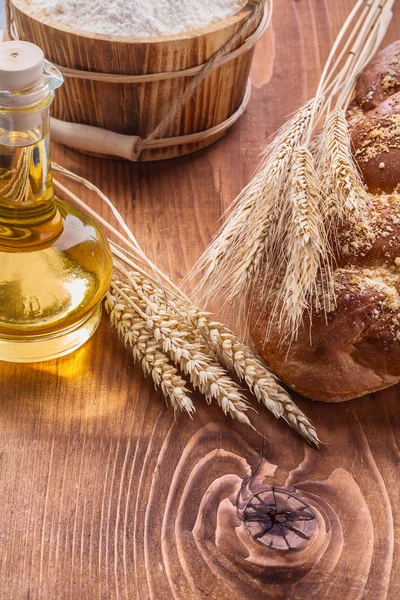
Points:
x=138, y=18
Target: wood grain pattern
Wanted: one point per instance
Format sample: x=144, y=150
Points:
x=105, y=495
x=137, y=108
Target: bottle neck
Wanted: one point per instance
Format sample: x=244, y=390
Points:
x=28, y=213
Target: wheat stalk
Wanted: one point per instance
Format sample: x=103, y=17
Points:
x=183, y=347
x=222, y=342
x=17, y=188
x=344, y=195
x=146, y=350
x=308, y=251
x=193, y=340
x=234, y=258
x=249, y=368
x=270, y=239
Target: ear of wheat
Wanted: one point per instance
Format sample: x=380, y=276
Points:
x=235, y=257
x=282, y=227
x=146, y=349
x=251, y=369
x=308, y=252
x=343, y=194
x=179, y=342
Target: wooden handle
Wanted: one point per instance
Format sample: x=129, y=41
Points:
x=94, y=139
x=101, y=141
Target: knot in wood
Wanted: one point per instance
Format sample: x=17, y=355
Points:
x=278, y=519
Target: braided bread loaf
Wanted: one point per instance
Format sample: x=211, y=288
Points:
x=375, y=121
x=355, y=349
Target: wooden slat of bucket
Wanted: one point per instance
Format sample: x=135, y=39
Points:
x=136, y=109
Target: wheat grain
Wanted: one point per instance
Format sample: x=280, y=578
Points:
x=253, y=209
x=222, y=342
x=182, y=345
x=233, y=260
x=308, y=251
x=249, y=368
x=344, y=195
x=131, y=328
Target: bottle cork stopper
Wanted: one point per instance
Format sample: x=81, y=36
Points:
x=21, y=65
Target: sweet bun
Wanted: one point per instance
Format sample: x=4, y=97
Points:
x=374, y=119
x=355, y=349
x=376, y=145
x=380, y=79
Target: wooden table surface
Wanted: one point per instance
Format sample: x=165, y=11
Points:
x=105, y=495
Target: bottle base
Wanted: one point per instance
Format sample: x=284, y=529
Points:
x=39, y=349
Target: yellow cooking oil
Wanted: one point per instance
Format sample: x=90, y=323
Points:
x=55, y=263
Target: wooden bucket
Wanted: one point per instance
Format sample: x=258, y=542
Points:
x=137, y=107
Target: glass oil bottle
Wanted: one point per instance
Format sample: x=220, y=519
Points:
x=55, y=263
